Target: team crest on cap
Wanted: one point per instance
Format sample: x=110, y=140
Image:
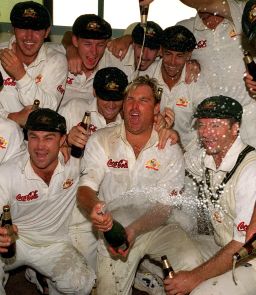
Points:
x=29, y=12
x=112, y=86
x=152, y=164
x=150, y=32
x=3, y=143
x=210, y=105
x=180, y=37
x=93, y=26
x=252, y=13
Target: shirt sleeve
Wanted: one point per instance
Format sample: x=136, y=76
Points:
x=11, y=140
x=245, y=200
x=94, y=156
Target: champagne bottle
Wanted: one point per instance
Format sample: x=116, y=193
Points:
x=78, y=152
x=247, y=249
x=7, y=223
x=36, y=104
x=250, y=64
x=116, y=236
x=167, y=268
x=143, y=15
x=1, y=80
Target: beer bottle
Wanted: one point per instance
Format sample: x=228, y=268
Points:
x=167, y=268
x=36, y=104
x=1, y=80
x=250, y=64
x=116, y=236
x=247, y=249
x=7, y=223
x=78, y=152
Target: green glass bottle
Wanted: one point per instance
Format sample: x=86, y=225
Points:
x=116, y=237
x=7, y=223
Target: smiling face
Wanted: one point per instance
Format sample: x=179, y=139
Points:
x=139, y=109
x=173, y=63
x=216, y=135
x=90, y=51
x=43, y=147
x=29, y=42
x=109, y=109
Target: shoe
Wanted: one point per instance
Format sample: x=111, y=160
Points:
x=149, y=283
x=36, y=278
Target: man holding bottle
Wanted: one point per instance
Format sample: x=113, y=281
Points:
x=226, y=166
x=125, y=158
x=41, y=205
x=31, y=69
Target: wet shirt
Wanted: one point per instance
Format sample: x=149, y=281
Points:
x=113, y=169
x=45, y=80
x=220, y=53
x=183, y=99
x=41, y=212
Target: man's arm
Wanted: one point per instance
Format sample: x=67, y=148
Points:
x=185, y=281
x=252, y=226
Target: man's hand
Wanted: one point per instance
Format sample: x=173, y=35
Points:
x=131, y=236
x=193, y=70
x=5, y=240
x=145, y=2
x=101, y=220
x=119, y=46
x=78, y=136
x=21, y=117
x=163, y=125
x=75, y=63
x=182, y=283
x=250, y=84
x=11, y=63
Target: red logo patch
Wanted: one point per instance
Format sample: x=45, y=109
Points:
x=201, y=44
x=31, y=196
x=61, y=89
x=117, y=164
x=9, y=82
x=242, y=226
x=70, y=80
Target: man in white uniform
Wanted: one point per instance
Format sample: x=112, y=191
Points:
x=226, y=169
x=109, y=85
x=124, y=158
x=40, y=189
x=220, y=45
x=31, y=69
x=177, y=45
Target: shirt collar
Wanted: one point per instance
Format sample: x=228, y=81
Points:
x=230, y=158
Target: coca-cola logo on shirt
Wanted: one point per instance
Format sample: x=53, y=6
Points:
x=201, y=44
x=61, y=89
x=9, y=82
x=29, y=197
x=242, y=226
x=69, y=80
x=117, y=164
